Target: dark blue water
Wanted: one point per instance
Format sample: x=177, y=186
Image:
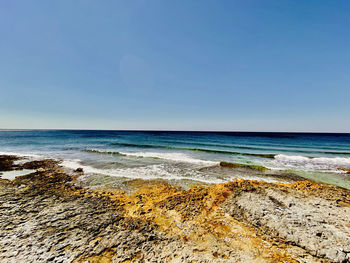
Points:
x=187, y=155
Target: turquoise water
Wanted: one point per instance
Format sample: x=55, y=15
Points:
x=190, y=156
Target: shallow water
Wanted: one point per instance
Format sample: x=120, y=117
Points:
x=183, y=155
x=10, y=175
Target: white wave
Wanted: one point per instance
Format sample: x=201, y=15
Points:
x=22, y=154
x=156, y=171
x=317, y=163
x=27, y=156
x=159, y=171
x=318, y=160
x=178, y=157
x=72, y=164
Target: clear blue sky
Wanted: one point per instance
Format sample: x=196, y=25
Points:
x=178, y=65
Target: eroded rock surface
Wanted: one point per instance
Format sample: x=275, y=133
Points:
x=7, y=163
x=306, y=215
x=46, y=217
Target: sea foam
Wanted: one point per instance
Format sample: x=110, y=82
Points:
x=155, y=171
x=174, y=156
x=316, y=163
x=32, y=155
x=177, y=157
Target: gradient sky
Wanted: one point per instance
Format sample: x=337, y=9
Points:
x=177, y=65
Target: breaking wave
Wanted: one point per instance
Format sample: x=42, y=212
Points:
x=331, y=151
x=155, y=171
x=26, y=155
x=262, y=155
x=315, y=163
x=177, y=157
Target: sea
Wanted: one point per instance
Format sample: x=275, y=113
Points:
x=186, y=158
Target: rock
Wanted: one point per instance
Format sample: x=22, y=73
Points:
x=46, y=216
x=79, y=170
x=45, y=164
x=245, y=166
x=345, y=170
x=313, y=221
x=7, y=163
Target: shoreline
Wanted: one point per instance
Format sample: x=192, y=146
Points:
x=47, y=215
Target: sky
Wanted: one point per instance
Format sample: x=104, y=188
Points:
x=246, y=65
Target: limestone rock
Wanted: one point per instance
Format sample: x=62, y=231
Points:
x=46, y=216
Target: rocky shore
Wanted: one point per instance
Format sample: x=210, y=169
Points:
x=47, y=216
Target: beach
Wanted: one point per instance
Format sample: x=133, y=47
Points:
x=50, y=215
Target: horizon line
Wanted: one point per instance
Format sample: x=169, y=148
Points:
x=170, y=130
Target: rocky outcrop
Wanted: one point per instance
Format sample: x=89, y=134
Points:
x=79, y=170
x=47, y=217
x=41, y=225
x=244, y=166
x=7, y=163
x=304, y=215
x=346, y=170
x=45, y=164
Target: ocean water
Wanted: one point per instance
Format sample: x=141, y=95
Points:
x=113, y=156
